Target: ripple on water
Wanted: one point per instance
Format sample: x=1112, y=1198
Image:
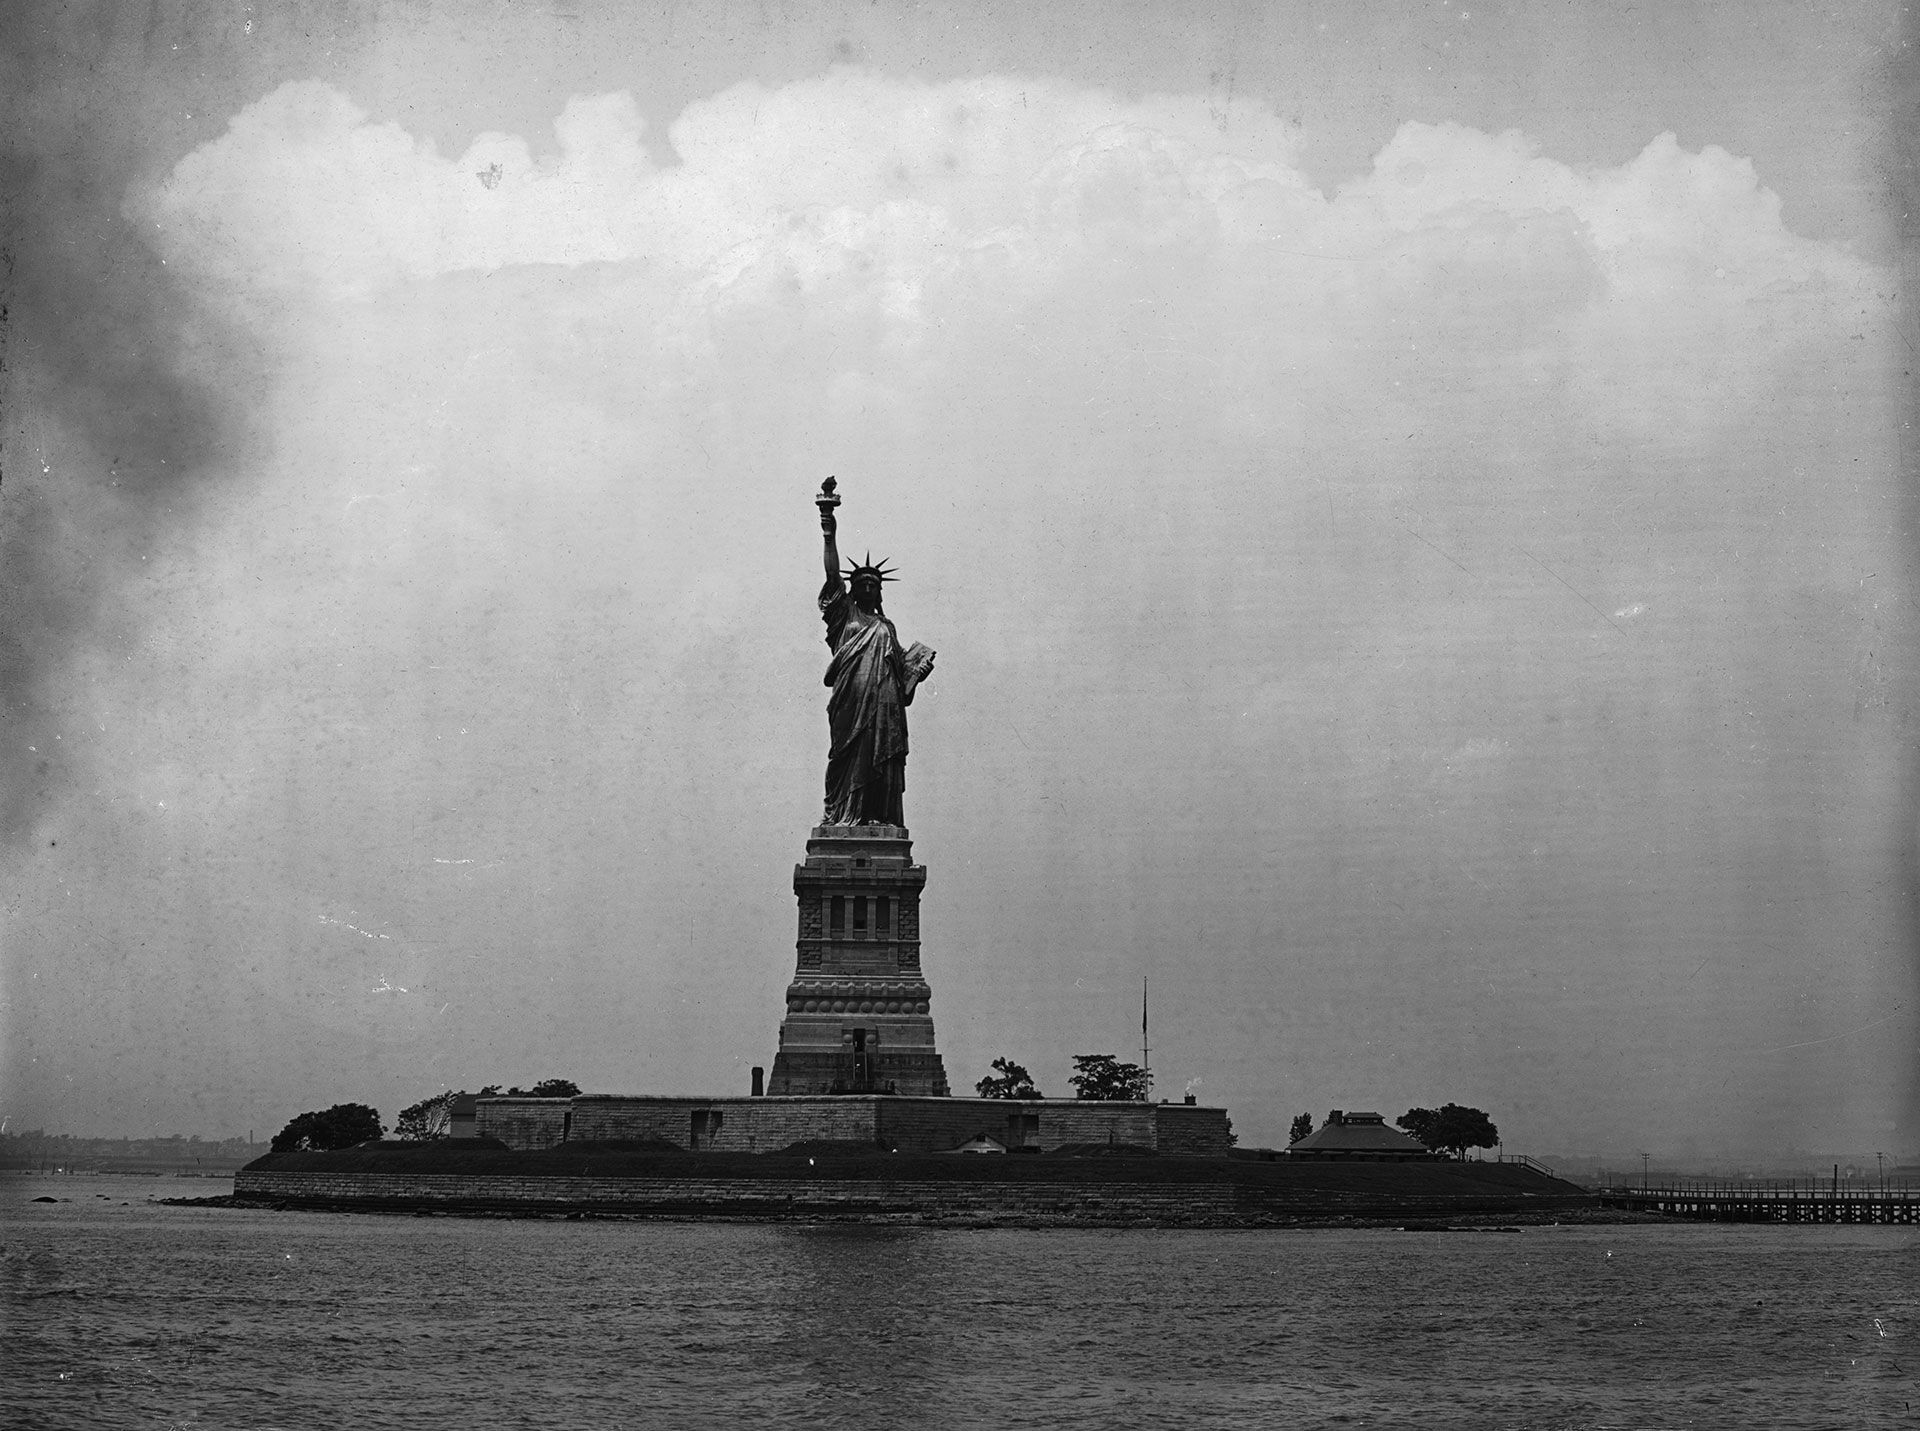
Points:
x=124, y=1314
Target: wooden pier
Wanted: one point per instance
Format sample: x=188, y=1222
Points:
x=1737, y=1202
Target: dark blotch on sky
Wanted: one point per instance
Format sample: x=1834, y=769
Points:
x=97, y=338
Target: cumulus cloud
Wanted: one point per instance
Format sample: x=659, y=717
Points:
x=301, y=190
x=884, y=220
x=912, y=179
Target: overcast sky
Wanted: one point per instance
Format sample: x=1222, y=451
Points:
x=1408, y=499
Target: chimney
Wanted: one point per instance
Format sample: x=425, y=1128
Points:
x=1190, y=1100
x=759, y=1083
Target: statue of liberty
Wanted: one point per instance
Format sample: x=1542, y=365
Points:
x=873, y=682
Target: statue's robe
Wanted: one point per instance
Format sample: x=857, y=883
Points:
x=867, y=714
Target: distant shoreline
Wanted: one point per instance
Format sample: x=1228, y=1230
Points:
x=123, y=1172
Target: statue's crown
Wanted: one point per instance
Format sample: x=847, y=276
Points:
x=869, y=567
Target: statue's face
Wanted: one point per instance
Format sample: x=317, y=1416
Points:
x=866, y=593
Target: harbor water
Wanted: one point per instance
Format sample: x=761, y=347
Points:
x=122, y=1312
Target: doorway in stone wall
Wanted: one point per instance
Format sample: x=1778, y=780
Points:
x=705, y=1128
x=862, y=1062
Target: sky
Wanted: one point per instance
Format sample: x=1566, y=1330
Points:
x=1413, y=503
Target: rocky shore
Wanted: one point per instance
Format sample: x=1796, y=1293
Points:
x=1120, y=1190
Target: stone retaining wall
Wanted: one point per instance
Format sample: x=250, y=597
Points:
x=1163, y=1204
x=743, y=1124
x=1188, y=1129
x=526, y=1122
x=729, y=1125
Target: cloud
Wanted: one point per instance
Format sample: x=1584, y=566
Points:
x=892, y=224
x=303, y=190
x=887, y=231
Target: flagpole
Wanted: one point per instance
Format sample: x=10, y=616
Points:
x=1146, y=1053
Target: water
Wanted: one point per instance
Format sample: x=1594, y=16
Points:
x=121, y=1313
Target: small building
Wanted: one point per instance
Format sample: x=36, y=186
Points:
x=1361, y=1138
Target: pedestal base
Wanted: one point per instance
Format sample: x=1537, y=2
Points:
x=859, y=1013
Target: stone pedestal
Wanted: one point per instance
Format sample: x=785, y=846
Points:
x=859, y=1014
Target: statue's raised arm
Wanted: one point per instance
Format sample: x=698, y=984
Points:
x=873, y=681
x=829, y=525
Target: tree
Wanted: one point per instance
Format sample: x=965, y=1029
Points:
x=1100, y=1077
x=1422, y=1123
x=1302, y=1125
x=547, y=1088
x=428, y=1119
x=1013, y=1082
x=340, y=1126
x=1451, y=1127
